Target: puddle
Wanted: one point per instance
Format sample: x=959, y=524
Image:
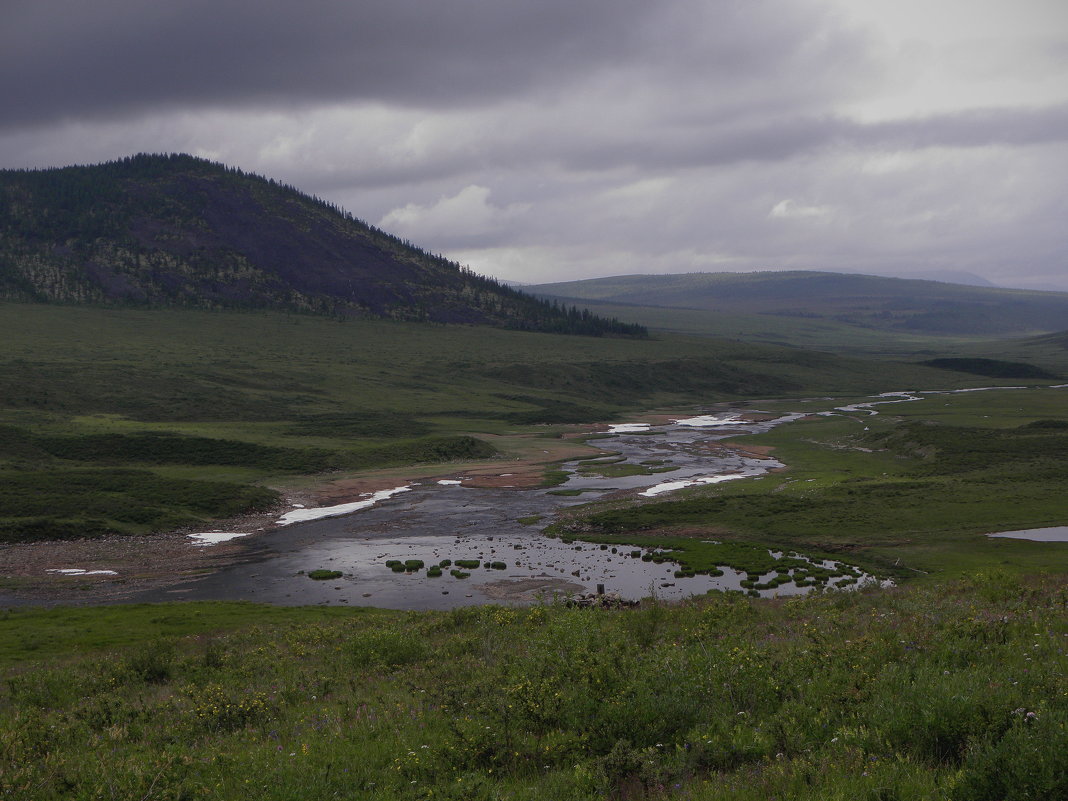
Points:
x=1051, y=534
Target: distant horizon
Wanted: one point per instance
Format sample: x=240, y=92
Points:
x=950, y=276
x=977, y=281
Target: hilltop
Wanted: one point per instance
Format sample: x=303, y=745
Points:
x=872, y=303
x=167, y=231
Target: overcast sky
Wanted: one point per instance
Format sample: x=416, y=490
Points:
x=542, y=140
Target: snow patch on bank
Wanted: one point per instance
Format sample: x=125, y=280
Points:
x=671, y=486
x=304, y=515
x=708, y=421
x=628, y=428
x=215, y=537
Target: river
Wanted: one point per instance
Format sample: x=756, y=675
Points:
x=446, y=520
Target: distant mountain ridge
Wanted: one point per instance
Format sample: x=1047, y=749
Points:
x=892, y=304
x=174, y=230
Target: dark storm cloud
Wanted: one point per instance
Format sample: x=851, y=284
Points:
x=72, y=59
x=582, y=137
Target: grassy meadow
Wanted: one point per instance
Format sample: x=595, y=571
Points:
x=950, y=685
x=947, y=691
x=199, y=415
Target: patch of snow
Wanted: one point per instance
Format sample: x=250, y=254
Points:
x=77, y=571
x=671, y=486
x=304, y=515
x=707, y=421
x=1051, y=534
x=452, y=482
x=628, y=428
x=983, y=389
x=214, y=537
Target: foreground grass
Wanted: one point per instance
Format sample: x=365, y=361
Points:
x=950, y=691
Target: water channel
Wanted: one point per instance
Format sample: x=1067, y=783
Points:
x=445, y=520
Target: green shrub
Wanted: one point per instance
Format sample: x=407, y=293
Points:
x=323, y=575
x=385, y=647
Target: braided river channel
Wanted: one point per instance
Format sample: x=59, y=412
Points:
x=499, y=527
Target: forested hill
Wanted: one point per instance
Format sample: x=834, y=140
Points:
x=154, y=230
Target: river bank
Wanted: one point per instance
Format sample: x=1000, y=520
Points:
x=122, y=568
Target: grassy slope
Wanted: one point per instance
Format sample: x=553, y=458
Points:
x=844, y=314
x=948, y=692
x=267, y=397
x=818, y=333
x=888, y=303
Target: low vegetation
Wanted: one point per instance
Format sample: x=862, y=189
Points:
x=324, y=575
x=244, y=404
x=952, y=691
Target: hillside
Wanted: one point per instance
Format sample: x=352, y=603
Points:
x=903, y=306
x=159, y=231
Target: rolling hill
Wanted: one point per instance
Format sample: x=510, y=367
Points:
x=902, y=306
x=164, y=231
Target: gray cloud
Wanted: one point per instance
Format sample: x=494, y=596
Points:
x=543, y=138
x=67, y=58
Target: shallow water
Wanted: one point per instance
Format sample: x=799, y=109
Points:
x=436, y=521
x=1051, y=534
x=447, y=520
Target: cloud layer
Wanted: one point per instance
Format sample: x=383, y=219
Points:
x=550, y=140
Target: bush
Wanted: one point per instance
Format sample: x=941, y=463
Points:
x=386, y=647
